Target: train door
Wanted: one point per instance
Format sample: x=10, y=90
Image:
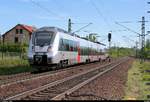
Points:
x=88, y=50
x=79, y=53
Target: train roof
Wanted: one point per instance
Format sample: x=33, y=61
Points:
x=63, y=31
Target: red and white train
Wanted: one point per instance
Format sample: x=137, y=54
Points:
x=54, y=46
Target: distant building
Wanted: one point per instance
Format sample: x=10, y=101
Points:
x=1, y=39
x=19, y=34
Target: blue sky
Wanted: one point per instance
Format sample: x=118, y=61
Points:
x=102, y=13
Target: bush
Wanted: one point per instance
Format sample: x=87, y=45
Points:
x=9, y=66
x=13, y=48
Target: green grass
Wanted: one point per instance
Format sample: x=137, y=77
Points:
x=14, y=70
x=11, y=62
x=13, y=66
x=135, y=86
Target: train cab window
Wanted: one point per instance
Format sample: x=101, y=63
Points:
x=44, y=38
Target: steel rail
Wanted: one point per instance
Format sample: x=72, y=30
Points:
x=36, y=90
x=33, y=77
x=75, y=88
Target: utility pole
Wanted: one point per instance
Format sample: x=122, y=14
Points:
x=142, y=38
x=136, y=49
x=69, y=25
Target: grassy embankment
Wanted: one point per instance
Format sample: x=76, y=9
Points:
x=13, y=66
x=136, y=88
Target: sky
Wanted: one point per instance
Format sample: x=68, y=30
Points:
x=101, y=13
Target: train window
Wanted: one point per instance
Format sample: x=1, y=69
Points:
x=61, y=42
x=74, y=44
x=86, y=50
x=67, y=45
x=84, y=53
x=61, y=45
x=71, y=45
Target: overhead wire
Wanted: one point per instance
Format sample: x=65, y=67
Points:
x=58, y=4
x=100, y=13
x=51, y=12
x=112, y=18
x=46, y=9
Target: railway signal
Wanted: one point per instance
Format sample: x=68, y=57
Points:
x=109, y=37
x=109, y=40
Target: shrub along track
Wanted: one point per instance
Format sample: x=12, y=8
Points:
x=66, y=85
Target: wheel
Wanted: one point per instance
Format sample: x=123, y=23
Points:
x=99, y=59
x=66, y=63
x=87, y=61
x=109, y=59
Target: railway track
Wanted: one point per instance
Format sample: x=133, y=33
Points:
x=23, y=77
x=59, y=89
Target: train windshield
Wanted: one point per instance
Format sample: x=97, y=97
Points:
x=43, y=38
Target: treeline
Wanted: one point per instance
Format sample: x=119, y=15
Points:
x=121, y=51
x=147, y=49
x=13, y=48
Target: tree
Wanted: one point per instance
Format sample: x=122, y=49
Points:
x=148, y=43
x=147, y=49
